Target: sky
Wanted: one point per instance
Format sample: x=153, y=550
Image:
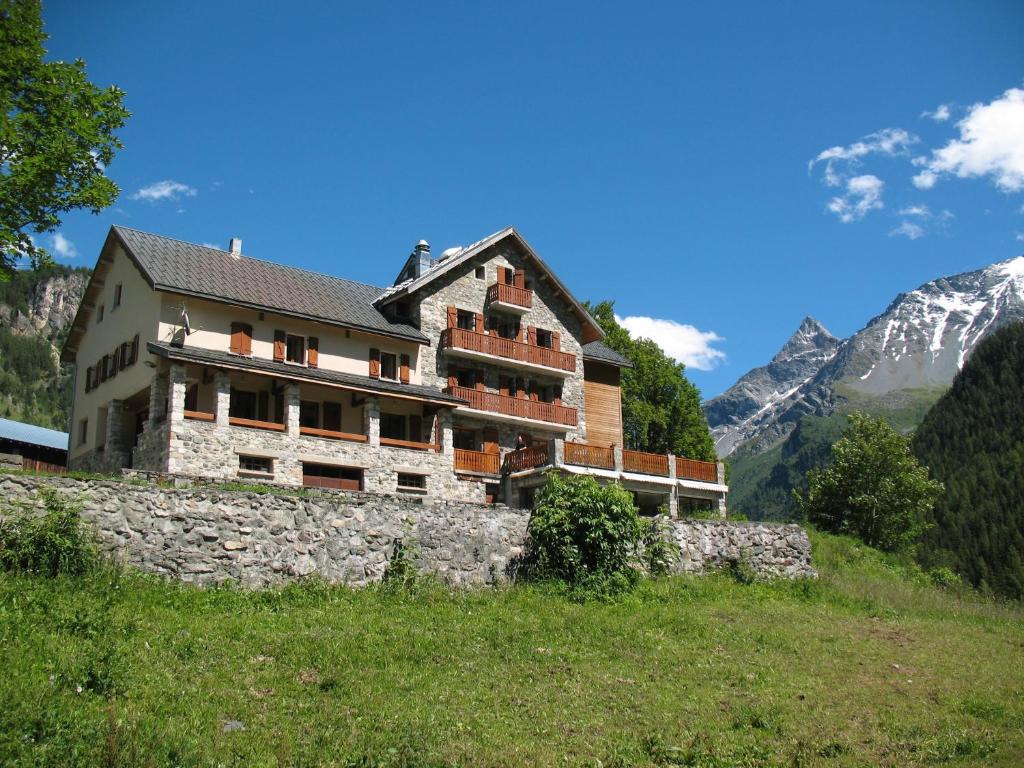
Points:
x=719, y=170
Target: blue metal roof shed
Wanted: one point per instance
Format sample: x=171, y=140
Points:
x=30, y=434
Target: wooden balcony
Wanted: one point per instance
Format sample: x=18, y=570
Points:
x=331, y=434
x=515, y=407
x=200, y=416
x=273, y=426
x=691, y=469
x=477, y=462
x=527, y=458
x=410, y=444
x=583, y=455
x=645, y=463
x=481, y=344
x=511, y=297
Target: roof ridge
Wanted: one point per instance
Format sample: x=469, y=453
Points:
x=250, y=258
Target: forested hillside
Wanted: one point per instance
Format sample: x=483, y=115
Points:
x=973, y=441
x=36, y=308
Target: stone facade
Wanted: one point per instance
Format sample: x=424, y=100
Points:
x=206, y=535
x=462, y=289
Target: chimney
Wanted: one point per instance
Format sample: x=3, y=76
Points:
x=235, y=247
x=422, y=254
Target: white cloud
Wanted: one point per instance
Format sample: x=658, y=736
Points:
x=164, y=190
x=991, y=143
x=908, y=230
x=1020, y=237
x=916, y=210
x=890, y=142
x=940, y=115
x=863, y=194
x=684, y=343
x=63, y=247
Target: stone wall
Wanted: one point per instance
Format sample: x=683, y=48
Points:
x=206, y=535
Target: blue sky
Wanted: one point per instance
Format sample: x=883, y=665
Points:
x=662, y=155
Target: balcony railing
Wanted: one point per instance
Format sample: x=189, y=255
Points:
x=510, y=349
x=411, y=444
x=515, y=406
x=332, y=434
x=583, y=455
x=476, y=461
x=691, y=469
x=527, y=458
x=200, y=416
x=237, y=421
x=510, y=294
x=645, y=463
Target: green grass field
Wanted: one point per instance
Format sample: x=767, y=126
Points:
x=867, y=666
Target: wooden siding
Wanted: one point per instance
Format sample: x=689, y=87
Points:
x=602, y=400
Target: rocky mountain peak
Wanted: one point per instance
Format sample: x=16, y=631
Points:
x=811, y=338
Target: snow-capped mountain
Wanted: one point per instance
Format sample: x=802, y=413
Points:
x=918, y=343
x=737, y=413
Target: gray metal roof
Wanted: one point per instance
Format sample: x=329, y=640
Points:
x=598, y=350
x=312, y=375
x=210, y=273
x=33, y=435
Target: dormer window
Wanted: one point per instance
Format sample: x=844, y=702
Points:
x=402, y=310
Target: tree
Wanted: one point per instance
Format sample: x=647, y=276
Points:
x=874, y=489
x=661, y=410
x=56, y=136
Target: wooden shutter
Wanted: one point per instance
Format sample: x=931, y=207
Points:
x=374, y=363
x=313, y=352
x=104, y=367
x=135, y=350
x=520, y=332
x=520, y=278
x=532, y=337
x=478, y=326
x=453, y=317
x=88, y=379
x=263, y=406
x=556, y=341
x=453, y=379
x=490, y=439
x=114, y=362
x=124, y=355
x=416, y=428
x=403, y=375
x=280, y=340
x=236, y=339
x=246, y=339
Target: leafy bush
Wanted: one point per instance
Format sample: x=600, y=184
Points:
x=581, y=531
x=52, y=544
x=660, y=550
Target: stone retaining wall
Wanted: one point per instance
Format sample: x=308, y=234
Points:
x=207, y=535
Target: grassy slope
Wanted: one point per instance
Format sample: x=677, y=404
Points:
x=866, y=666
x=761, y=485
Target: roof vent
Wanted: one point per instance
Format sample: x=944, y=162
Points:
x=422, y=257
x=235, y=246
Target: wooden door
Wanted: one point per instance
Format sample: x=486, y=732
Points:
x=490, y=440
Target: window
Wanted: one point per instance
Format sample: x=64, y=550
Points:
x=507, y=329
x=466, y=320
x=260, y=465
x=330, y=476
x=243, y=404
x=117, y=295
x=389, y=366
x=402, y=310
x=99, y=314
x=296, y=349
x=544, y=338
x=192, y=398
x=407, y=480
x=309, y=414
x=332, y=416
x=83, y=431
x=507, y=386
x=392, y=426
x=241, y=339
x=464, y=439
x=481, y=272
x=465, y=377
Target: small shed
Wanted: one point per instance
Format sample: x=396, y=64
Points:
x=26, y=446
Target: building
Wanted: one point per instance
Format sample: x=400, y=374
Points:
x=194, y=361
x=26, y=446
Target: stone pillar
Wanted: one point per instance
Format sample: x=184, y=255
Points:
x=445, y=420
x=673, y=497
x=721, y=473
x=176, y=409
x=371, y=420
x=722, y=511
x=557, y=452
x=157, y=397
x=115, y=427
x=222, y=395
x=291, y=408
x=617, y=453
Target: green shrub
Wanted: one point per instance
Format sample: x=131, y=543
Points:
x=660, y=551
x=581, y=531
x=55, y=543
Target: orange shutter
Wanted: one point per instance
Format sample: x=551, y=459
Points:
x=532, y=338
x=479, y=326
x=236, y=339
x=453, y=380
x=374, y=363
x=520, y=333
x=246, y=339
x=313, y=352
x=556, y=341
x=280, y=338
x=453, y=317
x=403, y=375
x=520, y=278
